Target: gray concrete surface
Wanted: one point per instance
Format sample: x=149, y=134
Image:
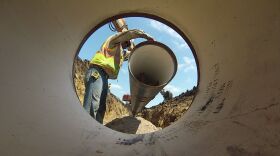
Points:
x=236, y=111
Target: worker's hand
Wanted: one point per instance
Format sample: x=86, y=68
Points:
x=149, y=37
x=132, y=45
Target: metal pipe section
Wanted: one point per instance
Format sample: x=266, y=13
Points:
x=152, y=65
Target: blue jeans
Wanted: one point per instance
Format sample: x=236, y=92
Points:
x=96, y=93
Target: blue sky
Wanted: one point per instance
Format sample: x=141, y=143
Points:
x=186, y=76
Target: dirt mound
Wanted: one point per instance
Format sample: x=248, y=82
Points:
x=132, y=125
x=169, y=111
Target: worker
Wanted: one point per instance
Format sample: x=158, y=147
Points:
x=167, y=95
x=105, y=65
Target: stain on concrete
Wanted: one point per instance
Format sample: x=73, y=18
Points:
x=235, y=150
x=208, y=87
x=151, y=139
x=132, y=141
x=162, y=152
x=215, y=84
x=267, y=107
x=212, y=85
x=256, y=110
x=229, y=84
x=99, y=151
x=220, y=106
x=207, y=104
x=89, y=135
x=136, y=152
x=171, y=138
x=194, y=126
x=221, y=90
x=216, y=68
x=213, y=43
x=254, y=131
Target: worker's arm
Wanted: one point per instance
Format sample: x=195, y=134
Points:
x=128, y=35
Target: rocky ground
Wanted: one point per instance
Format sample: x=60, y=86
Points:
x=149, y=120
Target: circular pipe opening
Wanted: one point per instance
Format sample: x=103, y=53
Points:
x=164, y=77
x=155, y=60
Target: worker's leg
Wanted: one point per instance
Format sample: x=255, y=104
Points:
x=100, y=111
x=92, y=92
x=99, y=95
x=88, y=90
x=96, y=93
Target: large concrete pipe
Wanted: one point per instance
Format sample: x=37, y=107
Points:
x=236, y=109
x=152, y=65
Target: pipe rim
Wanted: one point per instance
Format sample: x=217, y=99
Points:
x=166, y=48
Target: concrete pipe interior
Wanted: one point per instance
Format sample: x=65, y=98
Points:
x=156, y=60
x=236, y=110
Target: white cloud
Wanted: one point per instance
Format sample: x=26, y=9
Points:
x=180, y=44
x=173, y=89
x=116, y=86
x=187, y=65
x=164, y=28
x=176, y=39
x=180, y=66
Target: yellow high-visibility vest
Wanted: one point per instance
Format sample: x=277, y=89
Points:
x=110, y=60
